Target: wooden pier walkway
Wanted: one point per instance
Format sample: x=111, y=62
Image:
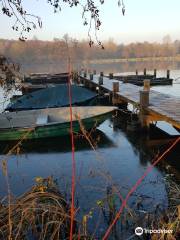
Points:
x=153, y=106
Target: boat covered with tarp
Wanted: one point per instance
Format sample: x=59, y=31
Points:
x=52, y=97
x=51, y=122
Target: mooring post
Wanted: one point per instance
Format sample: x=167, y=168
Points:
x=79, y=80
x=144, y=103
x=100, y=80
x=75, y=76
x=146, y=85
x=144, y=71
x=91, y=76
x=85, y=74
x=168, y=74
x=155, y=72
x=115, y=87
x=111, y=76
x=136, y=72
x=115, y=90
x=144, y=98
x=101, y=74
x=91, y=79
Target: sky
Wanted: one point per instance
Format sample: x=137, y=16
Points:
x=144, y=20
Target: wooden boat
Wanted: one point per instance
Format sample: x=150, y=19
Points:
x=29, y=87
x=52, y=97
x=50, y=122
x=44, y=78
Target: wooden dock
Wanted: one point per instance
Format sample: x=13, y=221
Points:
x=152, y=105
x=138, y=79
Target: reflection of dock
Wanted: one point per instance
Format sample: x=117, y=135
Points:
x=152, y=105
x=151, y=144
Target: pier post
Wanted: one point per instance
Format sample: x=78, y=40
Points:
x=91, y=76
x=144, y=71
x=155, y=73
x=111, y=76
x=79, y=80
x=85, y=74
x=168, y=74
x=114, y=95
x=115, y=87
x=147, y=85
x=101, y=74
x=101, y=80
x=136, y=72
x=144, y=103
x=144, y=98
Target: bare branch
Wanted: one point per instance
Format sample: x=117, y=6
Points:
x=25, y=21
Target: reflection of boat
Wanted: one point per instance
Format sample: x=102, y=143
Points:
x=60, y=144
x=50, y=122
x=52, y=97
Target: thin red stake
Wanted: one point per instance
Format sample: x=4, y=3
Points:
x=73, y=153
x=118, y=215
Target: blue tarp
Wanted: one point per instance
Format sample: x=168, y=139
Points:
x=52, y=97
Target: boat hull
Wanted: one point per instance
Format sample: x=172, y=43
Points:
x=53, y=130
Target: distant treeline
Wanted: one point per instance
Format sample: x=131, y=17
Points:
x=50, y=52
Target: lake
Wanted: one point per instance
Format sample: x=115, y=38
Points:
x=121, y=157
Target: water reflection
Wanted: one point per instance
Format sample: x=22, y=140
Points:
x=149, y=145
x=59, y=144
x=117, y=162
x=121, y=158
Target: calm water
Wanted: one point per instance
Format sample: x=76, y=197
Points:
x=119, y=160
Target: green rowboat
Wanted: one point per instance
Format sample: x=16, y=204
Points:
x=50, y=122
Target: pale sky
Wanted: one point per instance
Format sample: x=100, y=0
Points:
x=145, y=20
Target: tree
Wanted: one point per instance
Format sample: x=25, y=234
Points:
x=26, y=21
x=167, y=39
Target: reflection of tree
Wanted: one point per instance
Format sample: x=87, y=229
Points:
x=53, y=53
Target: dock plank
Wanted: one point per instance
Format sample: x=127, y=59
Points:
x=165, y=106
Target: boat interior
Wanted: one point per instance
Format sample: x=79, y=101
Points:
x=49, y=116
